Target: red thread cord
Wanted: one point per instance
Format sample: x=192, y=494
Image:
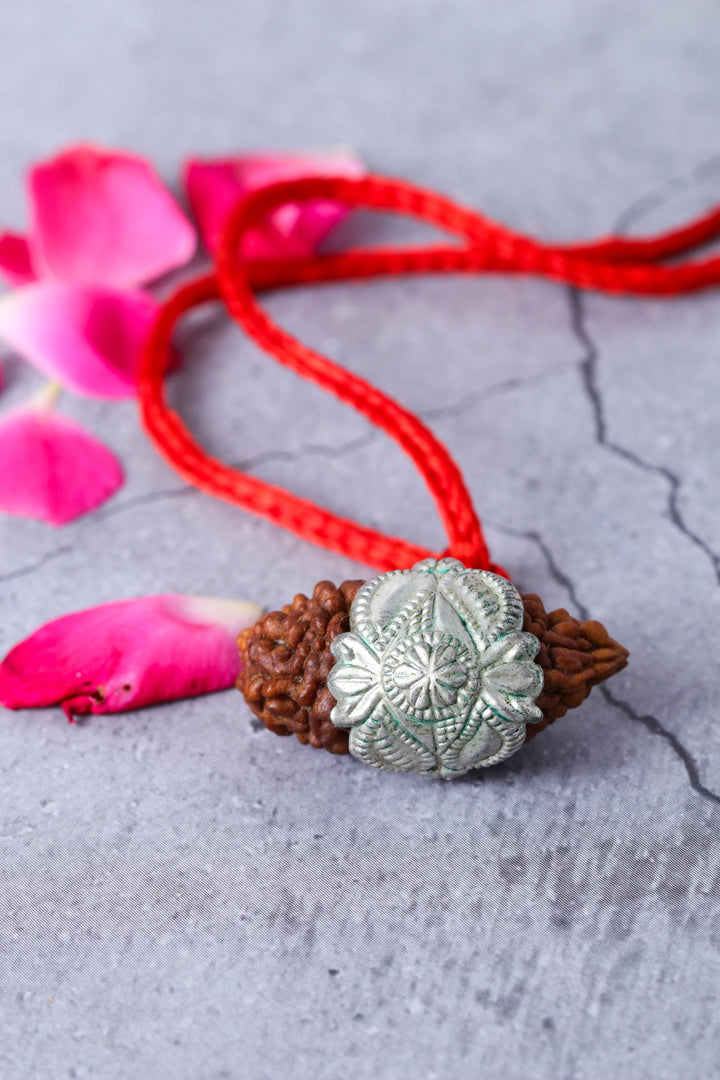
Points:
x=613, y=265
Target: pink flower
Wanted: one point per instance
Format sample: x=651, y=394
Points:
x=50, y=467
x=295, y=229
x=101, y=224
x=98, y=217
x=88, y=339
x=128, y=654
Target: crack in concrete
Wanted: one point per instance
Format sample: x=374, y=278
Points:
x=262, y=458
x=151, y=497
x=677, y=185
x=556, y=573
x=319, y=449
x=37, y=564
x=589, y=374
x=590, y=382
x=649, y=722
x=653, y=725
x=443, y=412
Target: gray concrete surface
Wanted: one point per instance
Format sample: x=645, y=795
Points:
x=186, y=897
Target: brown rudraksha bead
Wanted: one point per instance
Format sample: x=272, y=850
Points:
x=286, y=660
x=574, y=655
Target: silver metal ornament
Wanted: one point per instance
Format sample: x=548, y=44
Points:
x=436, y=674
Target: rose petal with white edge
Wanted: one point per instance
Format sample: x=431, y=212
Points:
x=128, y=654
x=88, y=339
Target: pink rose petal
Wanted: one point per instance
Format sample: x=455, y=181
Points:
x=103, y=217
x=89, y=340
x=51, y=468
x=128, y=654
x=15, y=259
x=215, y=186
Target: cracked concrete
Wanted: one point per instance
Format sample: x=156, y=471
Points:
x=334, y=452
x=588, y=366
x=650, y=722
x=184, y=894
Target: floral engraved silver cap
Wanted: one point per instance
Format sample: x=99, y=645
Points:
x=436, y=674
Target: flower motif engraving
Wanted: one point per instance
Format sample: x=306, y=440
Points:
x=425, y=676
x=436, y=675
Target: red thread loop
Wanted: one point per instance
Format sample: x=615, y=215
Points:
x=612, y=265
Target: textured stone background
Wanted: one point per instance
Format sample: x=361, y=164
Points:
x=184, y=896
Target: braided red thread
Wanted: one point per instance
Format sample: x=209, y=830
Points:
x=281, y=507
x=611, y=264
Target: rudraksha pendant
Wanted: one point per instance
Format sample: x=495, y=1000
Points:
x=438, y=669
